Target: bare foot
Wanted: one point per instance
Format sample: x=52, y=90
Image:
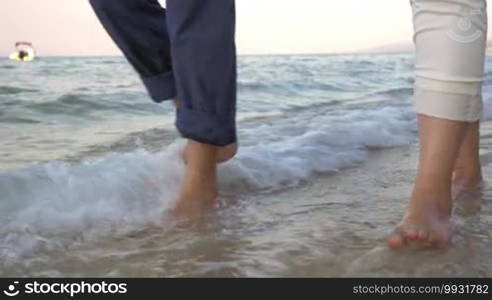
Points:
x=197, y=195
x=427, y=218
x=423, y=222
x=199, y=187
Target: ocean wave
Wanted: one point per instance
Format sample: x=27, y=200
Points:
x=112, y=62
x=394, y=92
x=53, y=205
x=152, y=140
x=255, y=116
x=56, y=204
x=307, y=84
x=9, y=90
x=313, y=106
x=17, y=120
x=252, y=85
x=72, y=104
x=84, y=104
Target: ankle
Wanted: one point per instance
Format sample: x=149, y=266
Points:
x=201, y=179
x=432, y=187
x=199, y=186
x=226, y=153
x=472, y=171
x=421, y=206
x=437, y=197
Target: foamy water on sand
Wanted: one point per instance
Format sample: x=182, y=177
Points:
x=90, y=167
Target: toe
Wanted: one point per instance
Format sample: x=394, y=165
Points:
x=411, y=233
x=433, y=239
x=396, y=241
x=423, y=235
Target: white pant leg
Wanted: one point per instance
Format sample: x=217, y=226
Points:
x=450, y=38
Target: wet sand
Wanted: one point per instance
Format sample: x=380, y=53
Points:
x=352, y=213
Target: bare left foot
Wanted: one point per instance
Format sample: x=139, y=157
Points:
x=423, y=223
x=196, y=196
x=427, y=219
x=199, y=187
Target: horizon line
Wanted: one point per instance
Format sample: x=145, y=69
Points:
x=249, y=54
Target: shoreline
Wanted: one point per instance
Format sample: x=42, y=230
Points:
x=364, y=204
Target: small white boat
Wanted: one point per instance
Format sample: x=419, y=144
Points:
x=24, y=51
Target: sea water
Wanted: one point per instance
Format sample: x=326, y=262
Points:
x=89, y=166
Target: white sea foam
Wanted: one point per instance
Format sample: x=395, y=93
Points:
x=52, y=204
x=71, y=202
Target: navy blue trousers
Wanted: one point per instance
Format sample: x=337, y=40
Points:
x=185, y=52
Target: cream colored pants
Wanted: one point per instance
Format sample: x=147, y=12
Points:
x=450, y=38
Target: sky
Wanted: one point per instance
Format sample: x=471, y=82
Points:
x=69, y=27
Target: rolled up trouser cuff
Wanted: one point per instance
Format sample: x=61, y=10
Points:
x=205, y=127
x=161, y=87
x=458, y=101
